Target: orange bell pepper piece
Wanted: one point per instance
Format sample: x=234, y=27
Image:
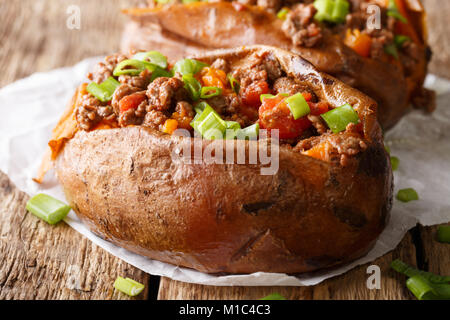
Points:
x=359, y=42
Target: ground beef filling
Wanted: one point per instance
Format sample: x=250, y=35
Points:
x=166, y=98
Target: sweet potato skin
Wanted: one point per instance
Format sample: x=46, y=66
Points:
x=198, y=27
x=228, y=218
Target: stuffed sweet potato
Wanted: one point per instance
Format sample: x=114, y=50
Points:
x=387, y=62
x=148, y=156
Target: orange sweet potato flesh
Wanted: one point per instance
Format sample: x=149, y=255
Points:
x=311, y=214
x=181, y=30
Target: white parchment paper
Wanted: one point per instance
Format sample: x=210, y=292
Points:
x=30, y=108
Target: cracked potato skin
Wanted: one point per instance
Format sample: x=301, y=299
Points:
x=228, y=218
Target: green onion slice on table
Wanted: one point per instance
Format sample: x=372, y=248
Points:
x=274, y=296
x=394, y=163
x=47, y=208
x=424, y=285
x=103, y=91
x=443, y=235
x=420, y=287
x=409, y=271
x=128, y=286
x=338, y=118
x=407, y=195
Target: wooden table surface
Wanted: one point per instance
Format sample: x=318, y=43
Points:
x=39, y=261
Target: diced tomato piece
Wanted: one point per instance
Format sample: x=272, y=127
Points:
x=318, y=108
x=131, y=102
x=250, y=95
x=275, y=114
x=307, y=96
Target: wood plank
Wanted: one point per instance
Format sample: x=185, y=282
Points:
x=436, y=255
x=40, y=261
x=351, y=285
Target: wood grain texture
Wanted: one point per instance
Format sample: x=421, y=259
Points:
x=45, y=262
x=351, y=285
x=40, y=261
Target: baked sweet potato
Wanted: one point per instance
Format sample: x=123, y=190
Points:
x=325, y=205
x=370, y=66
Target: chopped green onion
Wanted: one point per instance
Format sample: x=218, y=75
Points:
x=298, y=106
x=188, y=66
x=420, y=288
x=266, y=96
x=283, y=13
x=159, y=72
x=47, y=208
x=232, y=129
x=212, y=127
x=189, y=1
x=391, y=49
x=443, y=234
x=209, y=92
x=154, y=57
x=388, y=150
x=270, y=96
x=202, y=124
x=163, y=1
x=325, y=10
x=409, y=271
x=394, y=12
x=103, y=91
x=340, y=11
x=399, y=40
x=442, y=290
x=338, y=118
x=407, y=195
x=131, y=67
x=134, y=67
x=274, y=296
x=128, y=286
x=199, y=107
x=233, y=125
x=250, y=132
x=234, y=84
x=394, y=163
x=193, y=86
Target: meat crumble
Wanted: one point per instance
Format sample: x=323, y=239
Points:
x=140, y=100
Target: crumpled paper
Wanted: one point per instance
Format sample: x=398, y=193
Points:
x=31, y=107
